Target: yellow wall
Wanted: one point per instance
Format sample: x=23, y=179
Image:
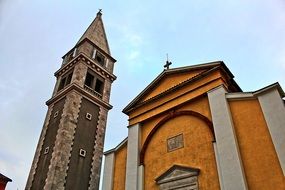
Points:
x=170, y=81
x=198, y=152
x=262, y=168
x=120, y=168
x=200, y=105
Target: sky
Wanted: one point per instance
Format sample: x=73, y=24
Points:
x=247, y=35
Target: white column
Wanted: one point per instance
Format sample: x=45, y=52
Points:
x=141, y=178
x=232, y=174
x=133, y=157
x=108, y=174
x=218, y=166
x=274, y=113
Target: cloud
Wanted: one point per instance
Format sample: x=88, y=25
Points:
x=133, y=55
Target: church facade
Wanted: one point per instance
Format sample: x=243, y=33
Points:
x=70, y=147
x=194, y=128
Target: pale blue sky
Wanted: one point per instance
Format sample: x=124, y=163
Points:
x=247, y=35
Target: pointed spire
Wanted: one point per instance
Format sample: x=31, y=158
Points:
x=96, y=33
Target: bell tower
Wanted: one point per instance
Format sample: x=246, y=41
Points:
x=70, y=147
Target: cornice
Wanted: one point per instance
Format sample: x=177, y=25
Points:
x=89, y=62
x=81, y=91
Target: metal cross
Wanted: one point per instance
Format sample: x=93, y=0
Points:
x=167, y=64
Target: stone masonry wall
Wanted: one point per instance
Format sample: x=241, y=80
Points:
x=98, y=150
x=63, y=144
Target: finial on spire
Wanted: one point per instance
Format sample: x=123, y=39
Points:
x=168, y=63
x=99, y=12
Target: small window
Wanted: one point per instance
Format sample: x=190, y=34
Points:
x=99, y=86
x=65, y=80
x=89, y=80
x=100, y=58
x=46, y=150
x=55, y=114
x=68, y=79
x=82, y=152
x=61, y=85
x=88, y=116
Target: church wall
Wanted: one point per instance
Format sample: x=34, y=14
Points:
x=260, y=161
x=200, y=105
x=197, y=152
x=178, y=97
x=120, y=168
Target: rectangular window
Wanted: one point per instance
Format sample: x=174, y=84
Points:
x=100, y=58
x=61, y=85
x=65, y=80
x=94, y=83
x=89, y=80
x=68, y=79
x=99, y=86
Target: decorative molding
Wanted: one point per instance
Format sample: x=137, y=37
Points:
x=81, y=91
x=90, y=63
x=179, y=177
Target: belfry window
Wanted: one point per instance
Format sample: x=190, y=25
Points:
x=100, y=58
x=99, y=86
x=65, y=80
x=94, y=83
x=89, y=80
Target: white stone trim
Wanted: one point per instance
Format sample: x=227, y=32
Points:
x=108, y=174
x=239, y=95
x=218, y=166
x=141, y=178
x=132, y=168
x=274, y=113
x=232, y=174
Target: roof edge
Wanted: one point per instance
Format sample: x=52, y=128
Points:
x=179, y=69
x=120, y=145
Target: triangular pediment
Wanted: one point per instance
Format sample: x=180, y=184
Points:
x=177, y=172
x=172, y=79
x=168, y=81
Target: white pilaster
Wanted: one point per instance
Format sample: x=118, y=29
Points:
x=108, y=174
x=133, y=157
x=218, y=166
x=274, y=113
x=141, y=178
x=231, y=169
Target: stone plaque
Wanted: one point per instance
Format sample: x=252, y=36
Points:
x=175, y=143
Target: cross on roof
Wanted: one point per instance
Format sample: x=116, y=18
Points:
x=167, y=64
